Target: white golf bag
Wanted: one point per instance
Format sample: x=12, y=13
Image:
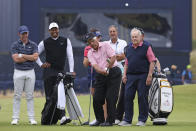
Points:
x=67, y=95
x=160, y=99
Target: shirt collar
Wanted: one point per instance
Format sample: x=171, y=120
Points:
x=100, y=45
x=55, y=38
x=114, y=43
x=20, y=42
x=135, y=46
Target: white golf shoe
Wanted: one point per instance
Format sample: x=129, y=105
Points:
x=93, y=122
x=32, y=122
x=116, y=122
x=14, y=122
x=124, y=123
x=140, y=123
x=65, y=120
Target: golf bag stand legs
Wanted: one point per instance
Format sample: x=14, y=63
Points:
x=73, y=106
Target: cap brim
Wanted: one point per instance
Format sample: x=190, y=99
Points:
x=53, y=27
x=98, y=35
x=24, y=32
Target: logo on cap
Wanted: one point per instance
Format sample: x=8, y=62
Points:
x=22, y=29
x=53, y=25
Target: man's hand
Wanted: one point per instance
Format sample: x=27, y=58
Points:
x=120, y=57
x=92, y=90
x=149, y=80
x=124, y=78
x=73, y=73
x=45, y=65
x=105, y=72
x=111, y=61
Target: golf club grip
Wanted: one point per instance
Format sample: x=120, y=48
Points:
x=108, y=61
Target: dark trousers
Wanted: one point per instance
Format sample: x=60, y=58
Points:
x=106, y=88
x=120, y=104
x=49, y=85
x=136, y=83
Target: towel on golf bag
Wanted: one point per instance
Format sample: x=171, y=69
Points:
x=73, y=105
x=69, y=101
x=61, y=96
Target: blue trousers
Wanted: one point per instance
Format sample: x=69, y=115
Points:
x=136, y=82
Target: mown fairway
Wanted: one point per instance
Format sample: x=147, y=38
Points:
x=183, y=117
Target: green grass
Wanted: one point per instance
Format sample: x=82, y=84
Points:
x=194, y=44
x=182, y=118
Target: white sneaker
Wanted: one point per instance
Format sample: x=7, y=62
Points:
x=140, y=123
x=93, y=122
x=116, y=122
x=32, y=122
x=65, y=120
x=124, y=123
x=14, y=122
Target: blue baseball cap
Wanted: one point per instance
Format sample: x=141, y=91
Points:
x=22, y=29
x=90, y=36
x=97, y=33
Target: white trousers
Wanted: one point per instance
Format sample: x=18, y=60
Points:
x=23, y=80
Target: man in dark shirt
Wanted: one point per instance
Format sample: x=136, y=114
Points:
x=56, y=48
x=24, y=54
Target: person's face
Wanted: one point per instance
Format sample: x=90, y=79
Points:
x=98, y=38
x=94, y=43
x=113, y=33
x=135, y=37
x=54, y=32
x=24, y=37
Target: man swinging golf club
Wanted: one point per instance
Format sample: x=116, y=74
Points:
x=91, y=74
x=106, y=83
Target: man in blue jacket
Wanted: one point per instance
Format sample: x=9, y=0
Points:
x=138, y=69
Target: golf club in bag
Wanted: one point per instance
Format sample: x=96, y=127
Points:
x=160, y=98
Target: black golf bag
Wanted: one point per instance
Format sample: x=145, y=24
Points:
x=160, y=99
x=51, y=114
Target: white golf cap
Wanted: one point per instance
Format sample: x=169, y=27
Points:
x=52, y=25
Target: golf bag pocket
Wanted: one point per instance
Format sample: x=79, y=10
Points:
x=166, y=104
x=160, y=98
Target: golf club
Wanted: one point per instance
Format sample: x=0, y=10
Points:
x=89, y=111
x=60, y=75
